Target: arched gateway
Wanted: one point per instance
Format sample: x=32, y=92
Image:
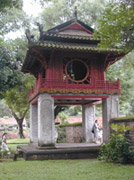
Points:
x=70, y=70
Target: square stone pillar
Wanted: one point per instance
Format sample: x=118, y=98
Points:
x=110, y=109
x=88, y=117
x=33, y=123
x=45, y=120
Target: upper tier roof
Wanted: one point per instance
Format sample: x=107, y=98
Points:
x=73, y=35
x=70, y=31
x=74, y=24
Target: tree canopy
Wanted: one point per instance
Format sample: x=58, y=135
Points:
x=116, y=27
x=17, y=100
x=124, y=70
x=60, y=11
x=10, y=4
x=11, y=54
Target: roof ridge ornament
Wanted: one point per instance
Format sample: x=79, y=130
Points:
x=75, y=13
x=30, y=37
x=40, y=28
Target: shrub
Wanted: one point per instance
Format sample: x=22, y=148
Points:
x=63, y=117
x=118, y=149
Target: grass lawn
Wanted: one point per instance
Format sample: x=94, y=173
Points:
x=64, y=170
x=13, y=143
x=61, y=169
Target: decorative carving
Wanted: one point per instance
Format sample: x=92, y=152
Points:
x=77, y=91
x=40, y=27
x=75, y=13
x=29, y=36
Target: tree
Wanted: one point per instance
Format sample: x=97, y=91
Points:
x=10, y=4
x=11, y=53
x=16, y=93
x=60, y=11
x=17, y=100
x=116, y=27
x=4, y=110
x=124, y=70
x=15, y=85
x=116, y=30
x=12, y=18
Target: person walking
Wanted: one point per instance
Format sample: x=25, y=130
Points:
x=3, y=145
x=96, y=131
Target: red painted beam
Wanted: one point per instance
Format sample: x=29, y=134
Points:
x=77, y=97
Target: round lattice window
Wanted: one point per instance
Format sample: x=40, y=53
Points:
x=77, y=70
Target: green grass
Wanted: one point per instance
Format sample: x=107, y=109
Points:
x=13, y=143
x=65, y=170
x=61, y=169
x=18, y=141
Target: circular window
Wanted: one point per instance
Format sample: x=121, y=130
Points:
x=77, y=70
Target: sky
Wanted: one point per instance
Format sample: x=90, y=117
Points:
x=31, y=8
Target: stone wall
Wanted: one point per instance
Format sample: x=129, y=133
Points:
x=127, y=122
x=70, y=134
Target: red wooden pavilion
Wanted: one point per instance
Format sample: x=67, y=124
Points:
x=70, y=70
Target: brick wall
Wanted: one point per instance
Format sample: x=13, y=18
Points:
x=73, y=134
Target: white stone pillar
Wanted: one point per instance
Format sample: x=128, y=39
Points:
x=33, y=123
x=45, y=120
x=110, y=109
x=88, y=117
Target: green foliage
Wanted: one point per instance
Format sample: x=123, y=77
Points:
x=120, y=129
x=73, y=124
x=17, y=97
x=63, y=117
x=98, y=110
x=118, y=149
x=74, y=111
x=17, y=100
x=12, y=18
x=60, y=11
x=124, y=118
x=10, y=4
x=124, y=70
x=116, y=26
x=11, y=52
x=4, y=110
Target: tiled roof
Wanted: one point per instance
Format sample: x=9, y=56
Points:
x=68, y=36
x=9, y=121
x=72, y=46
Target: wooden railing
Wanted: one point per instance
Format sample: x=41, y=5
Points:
x=58, y=83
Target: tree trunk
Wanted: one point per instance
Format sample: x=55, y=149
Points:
x=20, y=129
x=19, y=122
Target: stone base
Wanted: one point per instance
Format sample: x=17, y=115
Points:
x=65, y=151
x=45, y=147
